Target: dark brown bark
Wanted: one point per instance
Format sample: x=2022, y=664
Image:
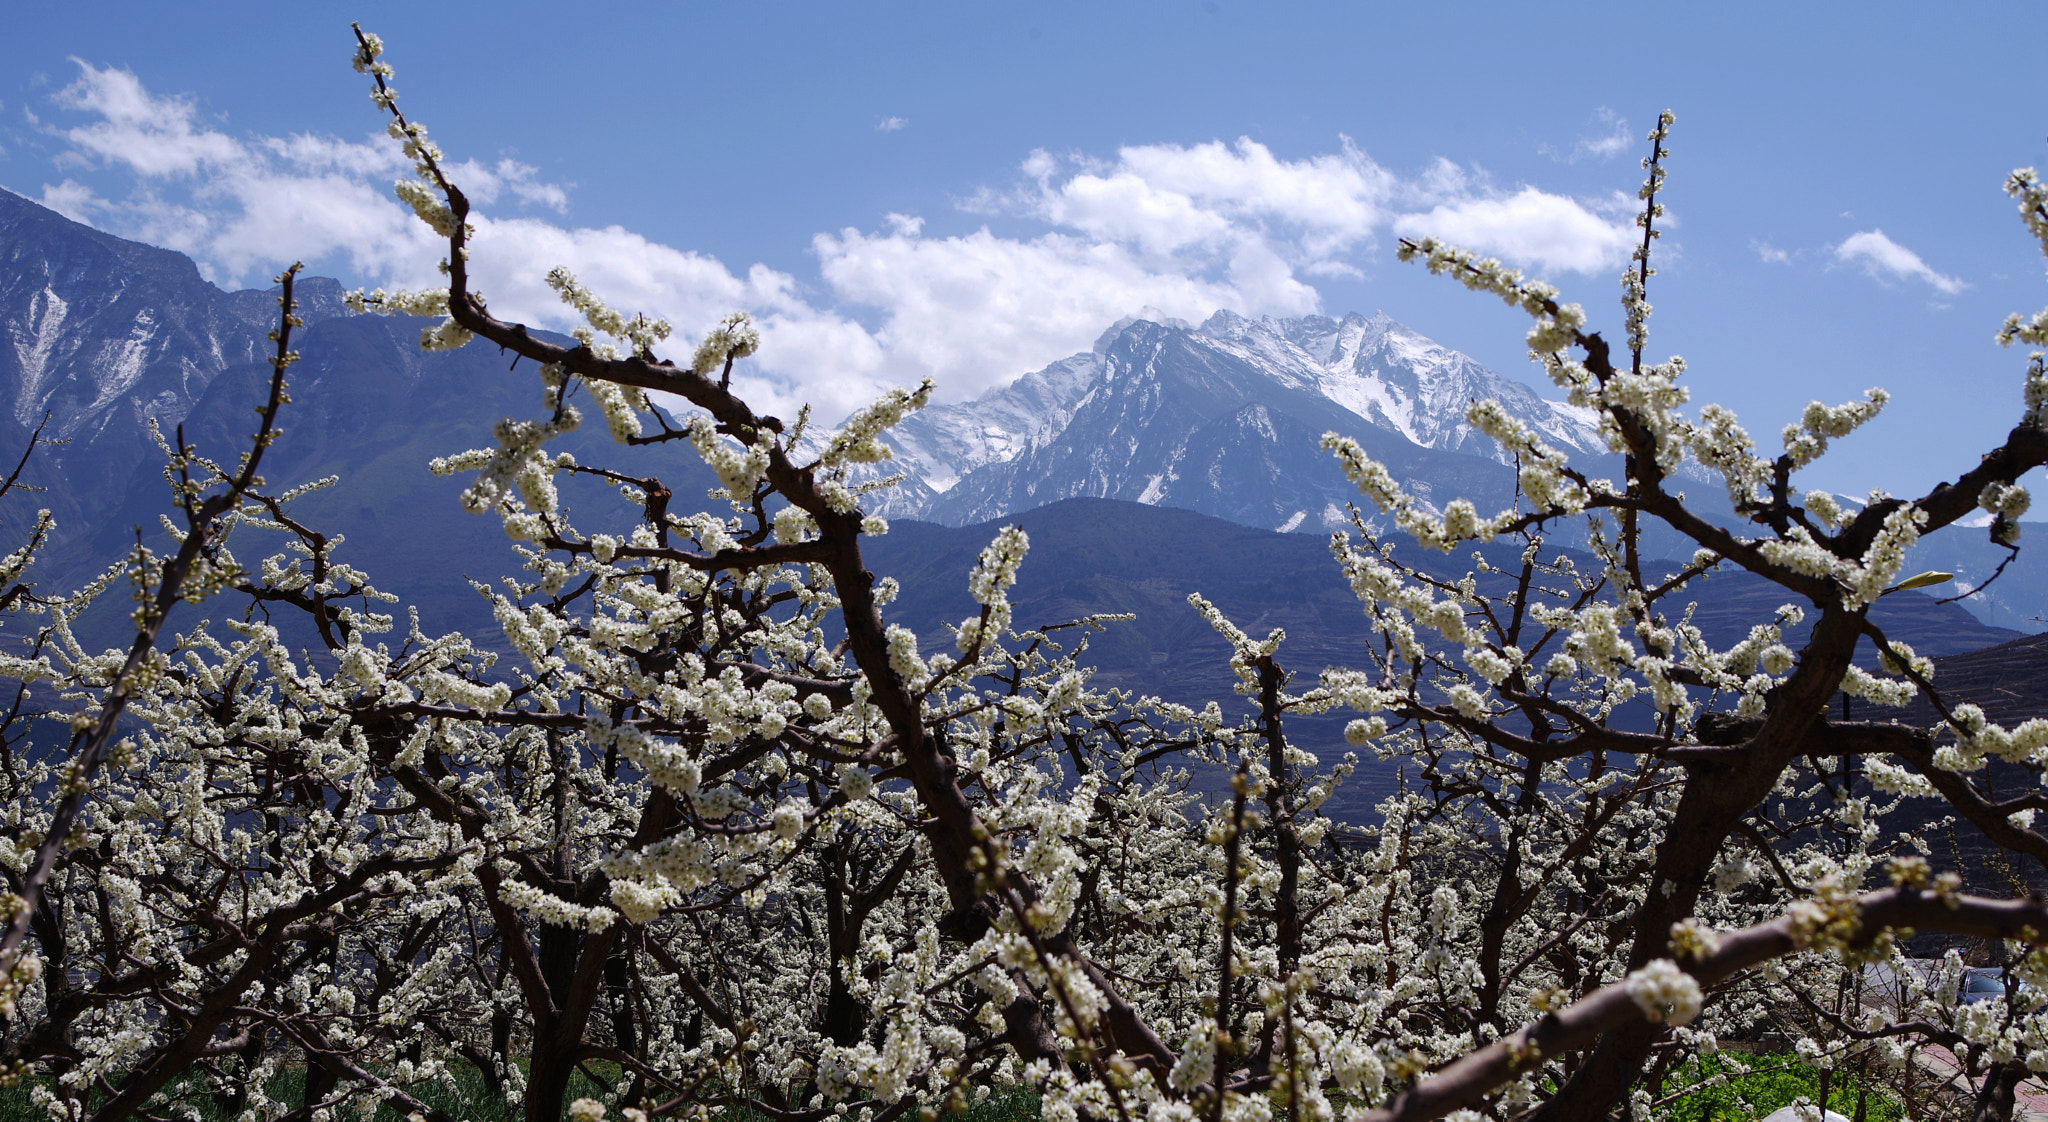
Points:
x=1996, y=1097
x=1280, y=807
x=1508, y=903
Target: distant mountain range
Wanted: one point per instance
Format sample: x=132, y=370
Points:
x=1221, y=419
x=1226, y=418
x=104, y=334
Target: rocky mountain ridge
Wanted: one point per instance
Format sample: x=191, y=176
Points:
x=101, y=334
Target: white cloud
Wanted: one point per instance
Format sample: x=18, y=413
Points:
x=1125, y=208
x=71, y=199
x=1185, y=229
x=1329, y=203
x=1886, y=259
x=1530, y=227
x=893, y=124
x=1609, y=136
x=251, y=205
x=153, y=135
x=977, y=310
x=1770, y=254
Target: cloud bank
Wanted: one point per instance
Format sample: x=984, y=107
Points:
x=1186, y=229
x=1886, y=259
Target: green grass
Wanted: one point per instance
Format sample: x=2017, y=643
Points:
x=1006, y=1104
x=1775, y=1082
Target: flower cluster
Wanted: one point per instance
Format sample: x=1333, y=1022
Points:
x=1819, y=423
x=1460, y=521
x=549, y=908
x=2026, y=186
x=639, y=332
x=2006, y=502
x=1557, y=325
x=733, y=338
x=989, y=584
x=1665, y=992
x=858, y=441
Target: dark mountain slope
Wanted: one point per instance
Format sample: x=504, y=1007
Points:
x=370, y=407
x=1096, y=555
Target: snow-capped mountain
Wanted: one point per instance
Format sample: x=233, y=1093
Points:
x=1224, y=418
x=1399, y=379
x=935, y=448
x=108, y=334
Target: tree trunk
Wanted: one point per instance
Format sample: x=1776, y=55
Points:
x=1995, y=1098
x=234, y=1102
x=547, y=1084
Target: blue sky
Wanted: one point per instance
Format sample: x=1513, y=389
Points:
x=968, y=191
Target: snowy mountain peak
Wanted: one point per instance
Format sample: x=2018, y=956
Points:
x=1398, y=379
x=1223, y=417
x=1146, y=314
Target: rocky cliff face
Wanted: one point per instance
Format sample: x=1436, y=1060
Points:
x=102, y=334
x=1404, y=382
x=1181, y=418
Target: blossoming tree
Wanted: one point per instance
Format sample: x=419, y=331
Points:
x=712, y=827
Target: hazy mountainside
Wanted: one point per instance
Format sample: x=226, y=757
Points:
x=372, y=408
x=2018, y=597
x=1398, y=379
x=1224, y=418
x=1176, y=420
x=1093, y=555
x=1100, y=555
x=106, y=334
